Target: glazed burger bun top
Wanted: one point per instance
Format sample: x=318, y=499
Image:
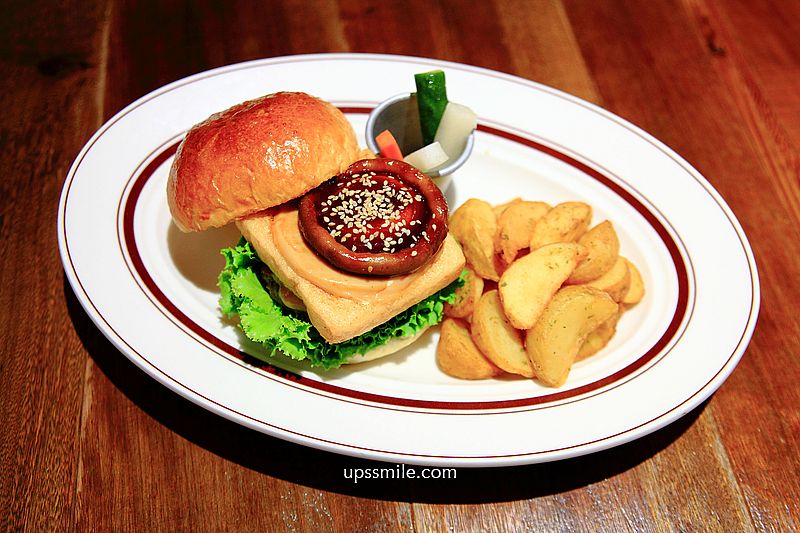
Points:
x=256, y=155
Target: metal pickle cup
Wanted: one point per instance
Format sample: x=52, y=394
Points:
x=399, y=115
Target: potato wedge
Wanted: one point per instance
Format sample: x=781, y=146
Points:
x=566, y=222
x=472, y=208
x=599, y=337
x=602, y=245
x=531, y=281
x=458, y=356
x=635, y=292
x=554, y=342
x=466, y=296
x=499, y=208
x=497, y=338
x=616, y=281
x=474, y=226
x=515, y=227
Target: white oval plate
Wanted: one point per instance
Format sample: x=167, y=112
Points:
x=151, y=289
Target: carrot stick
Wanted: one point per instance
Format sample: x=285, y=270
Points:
x=388, y=145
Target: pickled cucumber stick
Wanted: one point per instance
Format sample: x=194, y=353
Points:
x=431, y=101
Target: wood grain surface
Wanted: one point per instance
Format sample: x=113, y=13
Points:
x=88, y=442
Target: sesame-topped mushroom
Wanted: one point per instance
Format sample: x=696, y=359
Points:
x=380, y=217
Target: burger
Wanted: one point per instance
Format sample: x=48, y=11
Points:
x=344, y=257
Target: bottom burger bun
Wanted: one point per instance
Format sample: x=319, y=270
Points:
x=393, y=346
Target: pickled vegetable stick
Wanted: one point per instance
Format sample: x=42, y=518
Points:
x=388, y=145
x=431, y=101
x=458, y=122
x=428, y=157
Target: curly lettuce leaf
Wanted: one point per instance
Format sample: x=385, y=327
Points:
x=249, y=293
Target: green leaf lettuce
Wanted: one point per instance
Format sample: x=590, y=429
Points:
x=248, y=289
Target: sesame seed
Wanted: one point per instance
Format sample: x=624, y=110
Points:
x=414, y=253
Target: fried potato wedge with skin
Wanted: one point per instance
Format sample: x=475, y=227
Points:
x=457, y=355
x=499, y=341
x=616, y=281
x=566, y=222
x=515, y=227
x=602, y=245
x=470, y=209
x=635, y=292
x=474, y=226
x=531, y=281
x=599, y=337
x=554, y=342
x=466, y=296
x=500, y=208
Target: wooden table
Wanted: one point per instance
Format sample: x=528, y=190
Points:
x=89, y=442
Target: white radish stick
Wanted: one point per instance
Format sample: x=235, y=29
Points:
x=457, y=123
x=428, y=157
